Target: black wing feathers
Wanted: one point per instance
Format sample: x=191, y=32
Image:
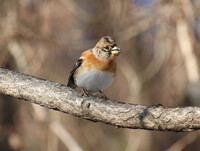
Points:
x=71, y=82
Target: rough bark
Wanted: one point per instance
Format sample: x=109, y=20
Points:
x=61, y=98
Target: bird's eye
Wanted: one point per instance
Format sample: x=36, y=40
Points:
x=107, y=47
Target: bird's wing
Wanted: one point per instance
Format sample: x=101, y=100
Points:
x=71, y=82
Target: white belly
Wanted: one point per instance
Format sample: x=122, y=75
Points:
x=94, y=80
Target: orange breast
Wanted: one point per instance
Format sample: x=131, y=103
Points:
x=90, y=61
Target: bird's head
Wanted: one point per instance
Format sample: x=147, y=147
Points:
x=106, y=48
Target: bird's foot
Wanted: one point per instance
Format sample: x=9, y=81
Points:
x=83, y=91
x=103, y=95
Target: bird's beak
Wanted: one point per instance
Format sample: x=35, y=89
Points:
x=115, y=50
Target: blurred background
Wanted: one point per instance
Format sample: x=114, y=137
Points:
x=159, y=64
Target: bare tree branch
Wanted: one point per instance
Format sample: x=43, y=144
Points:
x=59, y=97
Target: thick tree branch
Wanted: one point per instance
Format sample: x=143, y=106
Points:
x=59, y=97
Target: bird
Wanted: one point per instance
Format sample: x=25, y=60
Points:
x=95, y=70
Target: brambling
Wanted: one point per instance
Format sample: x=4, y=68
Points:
x=95, y=69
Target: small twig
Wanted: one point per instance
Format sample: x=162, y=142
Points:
x=184, y=142
x=65, y=136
